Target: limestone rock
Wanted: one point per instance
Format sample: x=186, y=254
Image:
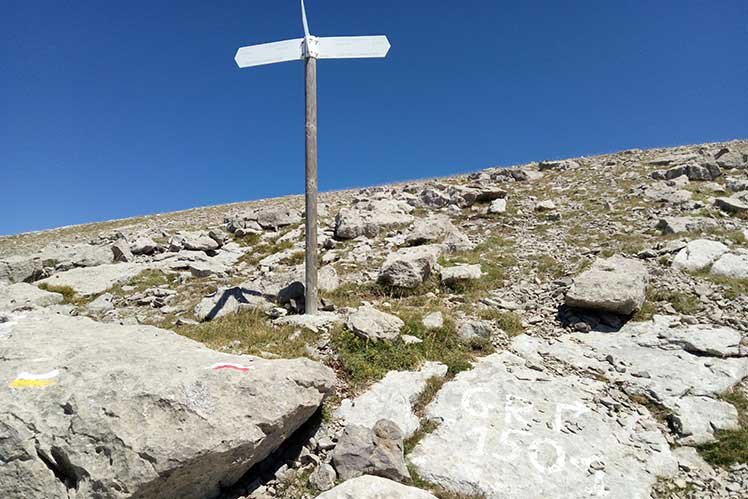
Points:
x=409, y=267
x=438, y=229
x=391, y=398
x=730, y=157
x=558, y=165
x=277, y=217
x=458, y=273
x=737, y=203
x=692, y=170
x=121, y=251
x=323, y=478
x=111, y=411
x=368, y=218
x=474, y=328
x=731, y=265
x=327, y=279
x=505, y=429
x=546, y=205
x=497, y=206
x=615, y=284
x=661, y=360
x=371, y=451
x=374, y=487
x=24, y=295
x=144, y=246
x=371, y=324
x=434, y=320
x=195, y=242
x=102, y=304
x=20, y=269
x=87, y=281
x=677, y=225
x=697, y=418
x=698, y=255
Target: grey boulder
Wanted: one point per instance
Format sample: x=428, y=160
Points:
x=24, y=295
x=20, y=269
x=371, y=451
x=409, y=267
x=699, y=255
x=374, y=487
x=109, y=411
x=731, y=265
x=615, y=284
x=371, y=324
x=121, y=251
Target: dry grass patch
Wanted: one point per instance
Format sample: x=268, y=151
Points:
x=255, y=334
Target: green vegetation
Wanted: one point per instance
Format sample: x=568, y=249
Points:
x=263, y=250
x=149, y=278
x=683, y=303
x=509, y=322
x=495, y=257
x=732, y=288
x=255, y=334
x=549, y=267
x=365, y=361
x=247, y=239
x=731, y=446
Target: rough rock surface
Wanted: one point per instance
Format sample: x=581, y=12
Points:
x=87, y=281
x=20, y=269
x=372, y=324
x=371, y=451
x=133, y=411
x=699, y=254
x=409, y=267
x=679, y=366
x=374, y=487
x=368, y=218
x=23, y=295
x=615, y=285
x=731, y=265
x=510, y=432
x=391, y=398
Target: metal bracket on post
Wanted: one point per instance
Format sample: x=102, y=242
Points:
x=311, y=47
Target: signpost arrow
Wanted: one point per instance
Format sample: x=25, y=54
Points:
x=311, y=48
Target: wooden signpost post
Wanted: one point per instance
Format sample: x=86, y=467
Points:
x=310, y=48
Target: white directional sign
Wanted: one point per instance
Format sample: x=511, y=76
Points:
x=332, y=47
x=269, y=53
x=310, y=48
x=352, y=47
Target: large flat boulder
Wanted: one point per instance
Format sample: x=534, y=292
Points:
x=374, y=487
x=511, y=432
x=87, y=281
x=681, y=367
x=615, y=284
x=368, y=218
x=109, y=411
x=391, y=398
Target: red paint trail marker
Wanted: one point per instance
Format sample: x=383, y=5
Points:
x=228, y=365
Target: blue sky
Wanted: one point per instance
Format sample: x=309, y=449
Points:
x=117, y=109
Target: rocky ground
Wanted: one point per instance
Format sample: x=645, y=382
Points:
x=574, y=328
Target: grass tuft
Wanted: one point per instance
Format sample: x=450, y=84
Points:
x=731, y=446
